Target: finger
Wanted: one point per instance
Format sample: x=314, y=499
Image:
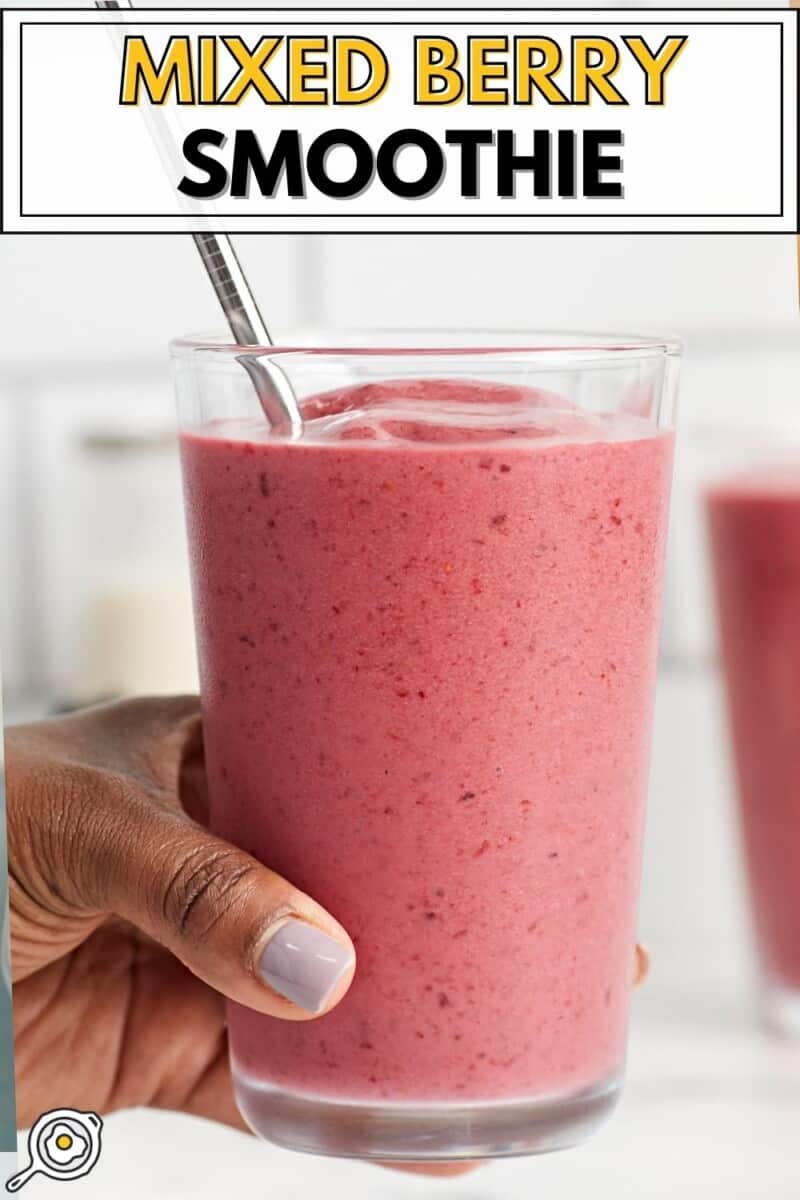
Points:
x=447, y=1170
x=641, y=967
x=237, y=925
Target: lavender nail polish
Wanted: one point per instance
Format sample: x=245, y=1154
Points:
x=304, y=964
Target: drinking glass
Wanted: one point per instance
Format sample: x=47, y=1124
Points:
x=427, y=634
x=754, y=525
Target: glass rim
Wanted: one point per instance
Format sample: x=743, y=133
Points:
x=543, y=346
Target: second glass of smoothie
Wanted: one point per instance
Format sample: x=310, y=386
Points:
x=427, y=634
x=754, y=522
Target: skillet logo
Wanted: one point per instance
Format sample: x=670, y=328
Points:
x=63, y=1144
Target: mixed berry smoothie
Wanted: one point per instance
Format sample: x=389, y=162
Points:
x=755, y=533
x=427, y=638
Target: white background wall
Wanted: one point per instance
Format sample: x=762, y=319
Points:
x=76, y=297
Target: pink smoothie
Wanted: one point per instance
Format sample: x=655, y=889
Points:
x=755, y=528
x=427, y=655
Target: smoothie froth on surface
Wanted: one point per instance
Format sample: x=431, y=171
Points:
x=427, y=652
x=429, y=412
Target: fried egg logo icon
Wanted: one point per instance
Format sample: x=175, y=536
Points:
x=63, y=1144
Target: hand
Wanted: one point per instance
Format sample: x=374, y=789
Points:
x=130, y=922
x=128, y=918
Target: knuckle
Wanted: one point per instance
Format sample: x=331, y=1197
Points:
x=205, y=889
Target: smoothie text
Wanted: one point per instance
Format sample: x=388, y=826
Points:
x=350, y=71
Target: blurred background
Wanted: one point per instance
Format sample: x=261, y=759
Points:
x=96, y=604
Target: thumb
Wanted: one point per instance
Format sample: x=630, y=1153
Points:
x=237, y=925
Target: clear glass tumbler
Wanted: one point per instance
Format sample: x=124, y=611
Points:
x=754, y=523
x=427, y=633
